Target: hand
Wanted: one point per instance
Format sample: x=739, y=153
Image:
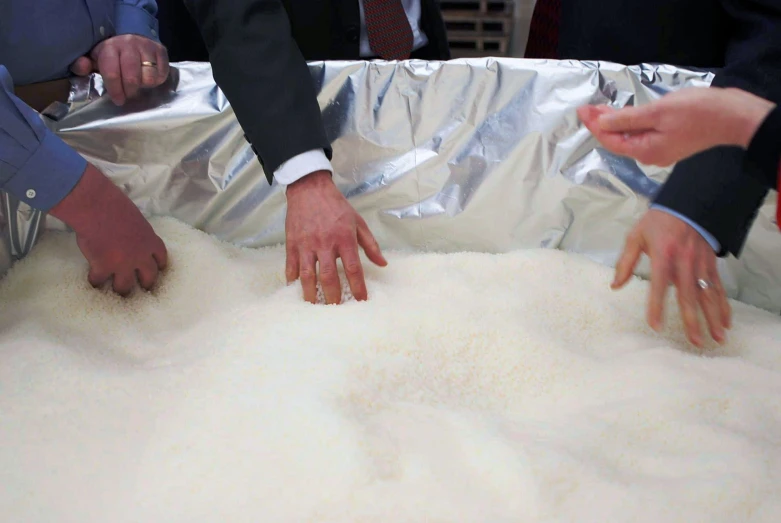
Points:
x=113, y=235
x=678, y=125
x=320, y=227
x=679, y=255
x=118, y=61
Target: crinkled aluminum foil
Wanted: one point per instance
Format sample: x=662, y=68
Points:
x=481, y=154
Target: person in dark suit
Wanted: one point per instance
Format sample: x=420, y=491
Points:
x=258, y=50
x=706, y=207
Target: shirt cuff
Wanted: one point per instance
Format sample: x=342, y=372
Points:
x=299, y=166
x=714, y=243
x=49, y=175
x=133, y=20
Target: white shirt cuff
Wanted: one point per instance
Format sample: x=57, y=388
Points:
x=299, y=166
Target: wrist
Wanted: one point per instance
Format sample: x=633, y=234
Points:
x=749, y=113
x=314, y=180
x=81, y=208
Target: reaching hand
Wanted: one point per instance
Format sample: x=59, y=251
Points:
x=678, y=125
x=113, y=235
x=124, y=63
x=679, y=256
x=320, y=227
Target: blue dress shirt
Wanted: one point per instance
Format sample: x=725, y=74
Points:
x=39, y=40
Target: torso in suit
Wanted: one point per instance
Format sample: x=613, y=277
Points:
x=330, y=29
x=323, y=30
x=258, y=48
x=739, y=39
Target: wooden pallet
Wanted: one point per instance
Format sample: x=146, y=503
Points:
x=478, y=28
x=464, y=25
x=477, y=47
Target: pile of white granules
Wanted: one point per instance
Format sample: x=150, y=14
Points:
x=469, y=388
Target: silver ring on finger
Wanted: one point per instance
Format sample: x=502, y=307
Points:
x=704, y=284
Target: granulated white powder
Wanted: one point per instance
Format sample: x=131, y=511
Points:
x=469, y=388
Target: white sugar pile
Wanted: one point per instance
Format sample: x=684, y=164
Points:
x=470, y=388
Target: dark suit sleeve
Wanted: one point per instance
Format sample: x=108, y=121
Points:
x=258, y=66
x=711, y=188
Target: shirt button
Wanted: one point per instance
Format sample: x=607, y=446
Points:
x=31, y=193
x=102, y=31
x=154, y=33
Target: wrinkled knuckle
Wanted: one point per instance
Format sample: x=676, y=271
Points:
x=688, y=254
x=307, y=275
x=352, y=268
x=669, y=250
x=328, y=273
x=655, y=113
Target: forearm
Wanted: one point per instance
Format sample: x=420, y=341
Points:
x=259, y=67
x=36, y=166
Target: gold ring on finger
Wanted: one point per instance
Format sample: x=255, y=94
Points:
x=148, y=64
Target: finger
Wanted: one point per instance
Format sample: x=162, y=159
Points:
x=291, y=263
x=621, y=144
x=108, y=65
x=709, y=302
x=130, y=66
x=628, y=261
x=725, y=310
x=83, y=66
x=688, y=300
x=628, y=119
x=98, y=277
x=649, y=147
x=329, y=277
x=163, y=68
x=147, y=274
x=149, y=73
x=124, y=281
x=353, y=269
x=308, y=275
x=369, y=244
x=588, y=114
x=160, y=255
x=660, y=281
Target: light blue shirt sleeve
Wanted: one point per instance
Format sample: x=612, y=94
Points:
x=36, y=166
x=705, y=234
x=137, y=17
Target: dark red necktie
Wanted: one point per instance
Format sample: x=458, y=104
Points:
x=544, y=31
x=390, y=35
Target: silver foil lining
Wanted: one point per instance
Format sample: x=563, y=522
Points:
x=479, y=154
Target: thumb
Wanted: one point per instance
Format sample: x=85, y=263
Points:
x=589, y=114
x=628, y=119
x=369, y=244
x=628, y=260
x=83, y=66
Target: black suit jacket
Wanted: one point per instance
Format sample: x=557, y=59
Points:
x=258, y=51
x=740, y=39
